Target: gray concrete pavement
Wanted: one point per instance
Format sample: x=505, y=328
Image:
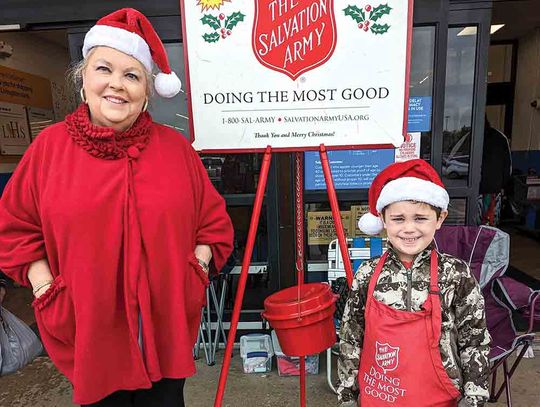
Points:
x=40, y=385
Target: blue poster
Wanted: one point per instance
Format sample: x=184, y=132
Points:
x=351, y=169
x=419, y=114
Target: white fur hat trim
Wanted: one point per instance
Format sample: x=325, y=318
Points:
x=119, y=39
x=413, y=189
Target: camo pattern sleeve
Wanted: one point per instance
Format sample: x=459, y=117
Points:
x=351, y=335
x=473, y=339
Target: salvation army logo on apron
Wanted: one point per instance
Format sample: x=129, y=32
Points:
x=386, y=356
x=293, y=38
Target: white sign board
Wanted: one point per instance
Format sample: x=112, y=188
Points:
x=14, y=130
x=297, y=73
x=410, y=149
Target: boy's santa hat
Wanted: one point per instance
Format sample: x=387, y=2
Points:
x=413, y=180
x=129, y=31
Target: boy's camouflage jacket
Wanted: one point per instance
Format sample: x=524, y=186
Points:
x=464, y=343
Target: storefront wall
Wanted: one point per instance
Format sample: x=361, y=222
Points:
x=448, y=69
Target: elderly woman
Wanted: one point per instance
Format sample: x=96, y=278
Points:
x=113, y=222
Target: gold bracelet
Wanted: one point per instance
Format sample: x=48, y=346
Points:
x=204, y=265
x=39, y=287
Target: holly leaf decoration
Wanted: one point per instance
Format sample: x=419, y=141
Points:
x=233, y=19
x=379, y=28
x=214, y=37
x=379, y=12
x=211, y=20
x=357, y=14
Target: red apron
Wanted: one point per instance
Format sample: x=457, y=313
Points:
x=400, y=363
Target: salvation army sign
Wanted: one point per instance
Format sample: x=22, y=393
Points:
x=294, y=74
x=294, y=43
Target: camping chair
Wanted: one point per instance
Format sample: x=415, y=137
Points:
x=511, y=303
x=487, y=252
x=360, y=249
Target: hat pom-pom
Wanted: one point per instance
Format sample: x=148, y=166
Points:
x=167, y=85
x=370, y=224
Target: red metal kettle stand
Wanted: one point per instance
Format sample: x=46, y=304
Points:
x=324, y=305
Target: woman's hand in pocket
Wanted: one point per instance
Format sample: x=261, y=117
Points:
x=203, y=254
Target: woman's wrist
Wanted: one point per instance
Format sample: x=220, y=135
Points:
x=39, y=272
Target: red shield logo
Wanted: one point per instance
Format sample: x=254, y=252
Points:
x=386, y=356
x=294, y=36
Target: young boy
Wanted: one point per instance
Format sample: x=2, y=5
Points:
x=413, y=332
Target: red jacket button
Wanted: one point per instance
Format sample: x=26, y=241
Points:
x=133, y=152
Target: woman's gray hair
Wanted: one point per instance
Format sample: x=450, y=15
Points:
x=75, y=75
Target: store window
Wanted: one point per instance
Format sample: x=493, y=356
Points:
x=173, y=112
x=457, y=212
x=421, y=86
x=321, y=230
x=233, y=173
x=458, y=105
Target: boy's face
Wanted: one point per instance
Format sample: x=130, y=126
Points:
x=410, y=227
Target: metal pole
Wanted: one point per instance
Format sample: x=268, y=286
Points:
x=336, y=214
x=299, y=214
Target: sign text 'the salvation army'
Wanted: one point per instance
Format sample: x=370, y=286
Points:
x=308, y=18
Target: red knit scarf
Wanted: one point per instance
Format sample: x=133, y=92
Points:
x=105, y=142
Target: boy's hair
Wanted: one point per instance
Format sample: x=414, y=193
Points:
x=437, y=210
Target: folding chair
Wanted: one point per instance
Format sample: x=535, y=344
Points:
x=204, y=337
x=360, y=249
x=487, y=251
x=510, y=302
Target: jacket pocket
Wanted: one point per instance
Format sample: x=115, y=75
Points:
x=55, y=312
x=195, y=294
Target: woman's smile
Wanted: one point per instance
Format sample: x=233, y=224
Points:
x=115, y=100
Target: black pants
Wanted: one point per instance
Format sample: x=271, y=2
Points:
x=165, y=393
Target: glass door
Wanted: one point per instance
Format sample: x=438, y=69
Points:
x=464, y=110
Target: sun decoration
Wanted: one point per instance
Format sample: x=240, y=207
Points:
x=211, y=4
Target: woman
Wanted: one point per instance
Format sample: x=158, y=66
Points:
x=113, y=222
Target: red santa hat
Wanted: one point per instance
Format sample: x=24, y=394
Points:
x=129, y=31
x=413, y=180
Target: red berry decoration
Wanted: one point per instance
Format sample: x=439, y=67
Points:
x=360, y=25
x=223, y=30
x=229, y=32
x=366, y=28
x=367, y=23
x=222, y=16
x=367, y=8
